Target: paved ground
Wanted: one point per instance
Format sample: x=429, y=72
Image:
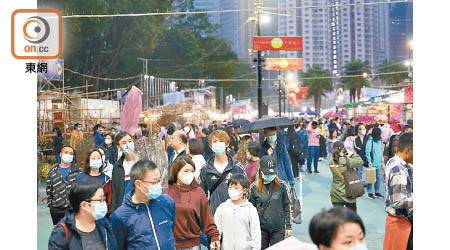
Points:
x=315, y=197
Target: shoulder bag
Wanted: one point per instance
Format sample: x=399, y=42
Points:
x=353, y=185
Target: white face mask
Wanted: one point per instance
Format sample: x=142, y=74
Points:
x=234, y=194
x=361, y=246
x=363, y=132
x=108, y=141
x=187, y=178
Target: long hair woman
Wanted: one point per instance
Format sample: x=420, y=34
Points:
x=192, y=212
x=270, y=196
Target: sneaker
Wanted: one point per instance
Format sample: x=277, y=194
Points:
x=309, y=171
x=316, y=171
x=371, y=196
x=378, y=195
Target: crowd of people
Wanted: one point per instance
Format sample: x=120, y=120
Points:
x=226, y=190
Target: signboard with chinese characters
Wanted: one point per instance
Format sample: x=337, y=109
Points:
x=284, y=63
x=272, y=43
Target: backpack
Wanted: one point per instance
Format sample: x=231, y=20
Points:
x=295, y=145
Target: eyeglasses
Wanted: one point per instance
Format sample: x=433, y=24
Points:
x=153, y=183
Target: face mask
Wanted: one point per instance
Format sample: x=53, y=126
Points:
x=95, y=164
x=363, y=132
x=218, y=148
x=269, y=177
x=128, y=148
x=79, y=129
x=154, y=192
x=100, y=210
x=249, y=157
x=361, y=246
x=234, y=194
x=272, y=138
x=187, y=179
x=108, y=141
x=66, y=158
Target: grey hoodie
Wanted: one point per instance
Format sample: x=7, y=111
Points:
x=239, y=226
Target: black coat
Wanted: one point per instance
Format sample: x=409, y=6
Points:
x=111, y=154
x=117, y=184
x=279, y=207
x=360, y=147
x=209, y=176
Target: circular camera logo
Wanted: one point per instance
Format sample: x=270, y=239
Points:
x=37, y=25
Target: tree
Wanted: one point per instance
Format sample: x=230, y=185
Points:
x=392, y=79
x=317, y=84
x=354, y=84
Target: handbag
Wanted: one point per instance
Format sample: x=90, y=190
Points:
x=353, y=185
x=370, y=175
x=296, y=208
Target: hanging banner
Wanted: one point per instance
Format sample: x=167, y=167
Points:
x=272, y=43
x=408, y=95
x=236, y=108
x=54, y=69
x=296, y=94
x=284, y=63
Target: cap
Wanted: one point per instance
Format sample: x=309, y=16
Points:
x=268, y=165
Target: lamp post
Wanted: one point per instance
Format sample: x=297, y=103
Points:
x=258, y=61
x=410, y=62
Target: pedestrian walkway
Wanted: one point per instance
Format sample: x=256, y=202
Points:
x=316, y=195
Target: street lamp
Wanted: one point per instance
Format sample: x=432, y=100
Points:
x=290, y=76
x=265, y=19
x=365, y=75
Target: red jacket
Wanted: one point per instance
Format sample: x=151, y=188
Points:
x=193, y=214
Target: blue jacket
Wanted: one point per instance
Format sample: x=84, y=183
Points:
x=303, y=137
x=283, y=137
x=58, y=237
x=135, y=225
x=377, y=152
x=98, y=139
x=281, y=157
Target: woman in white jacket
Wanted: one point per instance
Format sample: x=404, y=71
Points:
x=237, y=219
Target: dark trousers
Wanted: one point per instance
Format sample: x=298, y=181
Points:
x=352, y=206
x=294, y=162
x=313, y=153
x=271, y=238
x=57, y=214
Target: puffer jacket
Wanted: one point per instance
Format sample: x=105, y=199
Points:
x=145, y=226
x=58, y=237
x=57, y=188
x=239, y=226
x=278, y=207
x=209, y=176
x=337, y=190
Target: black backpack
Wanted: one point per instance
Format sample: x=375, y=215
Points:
x=295, y=145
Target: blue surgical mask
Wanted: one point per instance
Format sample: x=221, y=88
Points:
x=100, y=210
x=95, y=164
x=269, y=177
x=66, y=158
x=128, y=148
x=218, y=148
x=154, y=192
x=361, y=246
x=249, y=157
x=272, y=138
x=79, y=129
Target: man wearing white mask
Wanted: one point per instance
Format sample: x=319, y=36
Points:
x=60, y=179
x=215, y=174
x=146, y=218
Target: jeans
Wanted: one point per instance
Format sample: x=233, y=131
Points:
x=313, y=152
x=271, y=238
x=352, y=206
x=377, y=183
x=58, y=158
x=362, y=174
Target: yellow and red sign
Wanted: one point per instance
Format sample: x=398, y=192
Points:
x=296, y=94
x=278, y=43
x=284, y=63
